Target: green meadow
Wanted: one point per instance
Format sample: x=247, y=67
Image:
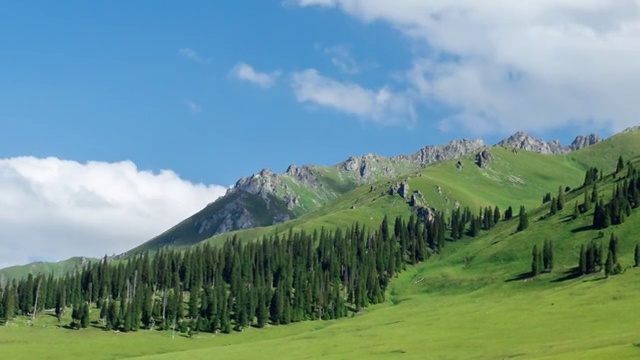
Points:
x=474, y=300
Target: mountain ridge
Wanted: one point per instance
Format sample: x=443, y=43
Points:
x=266, y=198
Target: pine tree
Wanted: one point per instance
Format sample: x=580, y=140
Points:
x=620, y=165
x=84, y=315
x=582, y=265
x=613, y=247
x=547, y=256
x=608, y=267
x=113, y=317
x=61, y=303
x=560, y=201
x=104, y=310
x=496, y=215
x=523, y=219
x=637, y=255
x=586, y=203
x=508, y=214
x=535, y=261
x=554, y=207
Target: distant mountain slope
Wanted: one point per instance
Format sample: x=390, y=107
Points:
x=507, y=179
x=266, y=198
x=57, y=269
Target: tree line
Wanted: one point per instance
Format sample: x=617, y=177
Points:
x=278, y=280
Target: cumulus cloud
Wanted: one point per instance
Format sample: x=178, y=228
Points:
x=52, y=209
x=193, y=55
x=381, y=106
x=245, y=72
x=506, y=65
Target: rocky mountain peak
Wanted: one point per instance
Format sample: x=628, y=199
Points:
x=584, y=141
x=522, y=140
x=453, y=149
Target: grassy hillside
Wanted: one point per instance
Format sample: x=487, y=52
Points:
x=474, y=300
x=57, y=269
x=510, y=180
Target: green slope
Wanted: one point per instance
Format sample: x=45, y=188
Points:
x=510, y=180
x=471, y=301
x=57, y=268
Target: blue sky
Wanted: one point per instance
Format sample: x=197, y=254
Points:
x=87, y=82
x=212, y=91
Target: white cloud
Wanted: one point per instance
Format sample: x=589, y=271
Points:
x=246, y=72
x=381, y=106
x=341, y=58
x=193, y=107
x=53, y=209
x=506, y=65
x=193, y=55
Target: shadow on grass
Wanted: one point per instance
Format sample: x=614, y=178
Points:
x=523, y=276
x=568, y=275
x=583, y=228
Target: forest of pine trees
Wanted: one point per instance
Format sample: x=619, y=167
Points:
x=279, y=280
x=625, y=197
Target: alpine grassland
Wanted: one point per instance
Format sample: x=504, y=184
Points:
x=475, y=297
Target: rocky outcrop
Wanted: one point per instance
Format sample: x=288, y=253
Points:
x=452, y=150
x=401, y=189
x=584, y=141
x=484, y=158
x=524, y=141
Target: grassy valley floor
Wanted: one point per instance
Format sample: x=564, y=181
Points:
x=437, y=316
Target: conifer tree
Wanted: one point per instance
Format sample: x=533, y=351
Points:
x=586, y=203
x=535, y=261
x=561, y=199
x=620, y=165
x=613, y=247
x=523, y=219
x=554, y=207
x=496, y=215
x=582, y=265
x=547, y=256
x=637, y=255
x=508, y=214
x=84, y=315
x=608, y=267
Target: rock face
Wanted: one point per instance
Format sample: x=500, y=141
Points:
x=584, y=141
x=484, y=158
x=401, y=189
x=432, y=154
x=524, y=141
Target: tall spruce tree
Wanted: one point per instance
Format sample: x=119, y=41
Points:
x=582, y=265
x=523, y=219
x=561, y=199
x=547, y=256
x=535, y=261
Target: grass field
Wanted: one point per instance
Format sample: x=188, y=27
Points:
x=445, y=308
